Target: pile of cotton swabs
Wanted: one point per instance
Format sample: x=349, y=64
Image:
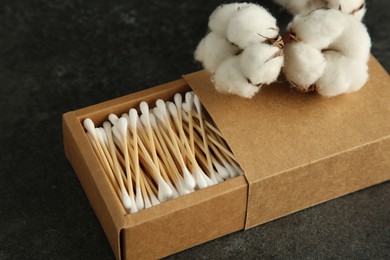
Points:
x=165, y=152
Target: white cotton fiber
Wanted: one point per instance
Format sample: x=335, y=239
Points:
x=301, y=6
x=229, y=79
x=261, y=63
x=341, y=75
x=250, y=25
x=212, y=50
x=221, y=16
x=356, y=8
x=355, y=42
x=336, y=61
x=304, y=64
x=320, y=28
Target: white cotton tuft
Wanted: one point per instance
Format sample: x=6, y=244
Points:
x=224, y=173
x=90, y=127
x=164, y=190
x=342, y=75
x=139, y=202
x=250, y=25
x=334, y=62
x=301, y=6
x=261, y=63
x=355, y=8
x=229, y=79
x=304, y=64
x=212, y=50
x=221, y=16
x=320, y=28
x=355, y=42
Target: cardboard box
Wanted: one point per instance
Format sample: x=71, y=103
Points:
x=296, y=151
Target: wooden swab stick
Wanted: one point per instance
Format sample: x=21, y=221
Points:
x=164, y=191
x=202, y=179
x=165, y=155
x=189, y=104
x=174, y=147
x=191, y=156
x=211, y=138
x=122, y=127
x=133, y=116
x=104, y=165
x=145, y=112
x=220, y=170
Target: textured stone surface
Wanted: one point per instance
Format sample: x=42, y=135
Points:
x=61, y=55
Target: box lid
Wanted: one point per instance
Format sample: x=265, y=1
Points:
x=279, y=130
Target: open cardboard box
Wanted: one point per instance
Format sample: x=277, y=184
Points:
x=296, y=151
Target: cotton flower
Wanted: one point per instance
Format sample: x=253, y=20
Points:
x=243, y=49
x=261, y=63
x=250, y=25
x=222, y=15
x=356, y=8
x=212, y=50
x=229, y=79
x=329, y=50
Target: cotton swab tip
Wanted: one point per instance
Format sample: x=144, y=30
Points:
x=133, y=207
x=107, y=126
x=189, y=98
x=164, y=191
x=113, y=118
x=224, y=173
x=197, y=103
x=178, y=99
x=200, y=179
x=125, y=198
x=144, y=107
x=154, y=200
x=122, y=126
x=189, y=180
x=172, y=109
x=158, y=114
x=139, y=202
x=152, y=120
x=133, y=116
x=90, y=127
x=160, y=104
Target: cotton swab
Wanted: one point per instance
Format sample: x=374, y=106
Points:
x=124, y=195
x=133, y=126
x=198, y=107
x=122, y=127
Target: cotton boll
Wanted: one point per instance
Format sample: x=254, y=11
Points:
x=221, y=16
x=354, y=7
x=250, y=25
x=212, y=50
x=355, y=42
x=301, y=6
x=304, y=64
x=261, y=63
x=228, y=78
x=319, y=29
x=341, y=75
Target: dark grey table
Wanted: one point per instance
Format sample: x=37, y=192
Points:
x=61, y=55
